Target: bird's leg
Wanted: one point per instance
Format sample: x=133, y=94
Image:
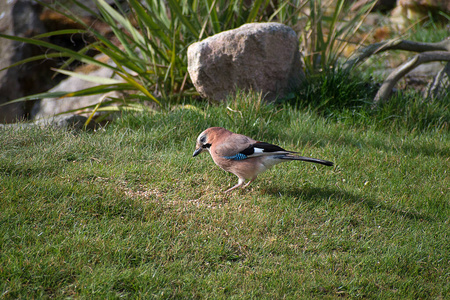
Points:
x=246, y=185
x=240, y=182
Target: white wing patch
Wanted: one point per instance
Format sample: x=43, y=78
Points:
x=258, y=150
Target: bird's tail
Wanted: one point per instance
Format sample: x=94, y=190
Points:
x=309, y=159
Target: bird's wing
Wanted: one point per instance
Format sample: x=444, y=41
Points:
x=243, y=147
x=264, y=149
x=233, y=145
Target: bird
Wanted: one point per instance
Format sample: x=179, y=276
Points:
x=243, y=156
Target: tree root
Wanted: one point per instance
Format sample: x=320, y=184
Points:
x=428, y=52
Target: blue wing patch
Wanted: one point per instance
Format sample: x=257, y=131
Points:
x=238, y=156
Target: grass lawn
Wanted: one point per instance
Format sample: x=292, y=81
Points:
x=127, y=212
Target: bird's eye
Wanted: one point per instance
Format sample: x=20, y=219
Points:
x=202, y=139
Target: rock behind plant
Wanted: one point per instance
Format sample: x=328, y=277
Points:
x=259, y=56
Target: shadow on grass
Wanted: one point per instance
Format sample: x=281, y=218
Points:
x=319, y=195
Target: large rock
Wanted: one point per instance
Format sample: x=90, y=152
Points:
x=26, y=18
x=20, y=18
x=68, y=122
x=49, y=107
x=264, y=57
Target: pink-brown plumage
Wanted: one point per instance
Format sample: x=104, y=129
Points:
x=244, y=156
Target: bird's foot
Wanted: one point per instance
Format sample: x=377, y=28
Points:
x=240, y=183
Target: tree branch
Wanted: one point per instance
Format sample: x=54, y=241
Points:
x=386, y=88
x=437, y=83
x=396, y=44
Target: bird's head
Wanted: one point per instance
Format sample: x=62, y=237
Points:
x=202, y=143
x=206, y=139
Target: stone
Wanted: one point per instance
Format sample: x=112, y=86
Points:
x=263, y=57
x=63, y=122
x=26, y=18
x=20, y=18
x=49, y=107
x=68, y=122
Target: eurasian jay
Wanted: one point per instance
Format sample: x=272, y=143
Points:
x=243, y=156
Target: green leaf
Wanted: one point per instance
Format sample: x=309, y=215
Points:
x=90, y=78
x=35, y=58
x=64, y=51
x=121, y=20
x=139, y=87
x=60, y=32
x=176, y=9
x=212, y=14
x=99, y=89
x=155, y=29
x=36, y=97
x=256, y=6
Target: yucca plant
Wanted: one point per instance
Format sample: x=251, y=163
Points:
x=149, y=57
x=329, y=30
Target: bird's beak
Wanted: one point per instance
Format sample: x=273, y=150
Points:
x=197, y=151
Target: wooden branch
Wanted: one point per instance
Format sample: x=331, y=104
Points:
x=396, y=44
x=386, y=88
x=437, y=83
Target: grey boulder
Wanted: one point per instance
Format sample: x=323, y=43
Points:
x=263, y=57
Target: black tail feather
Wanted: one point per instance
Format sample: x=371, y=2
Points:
x=309, y=159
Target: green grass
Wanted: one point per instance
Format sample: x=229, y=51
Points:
x=127, y=212
x=348, y=98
